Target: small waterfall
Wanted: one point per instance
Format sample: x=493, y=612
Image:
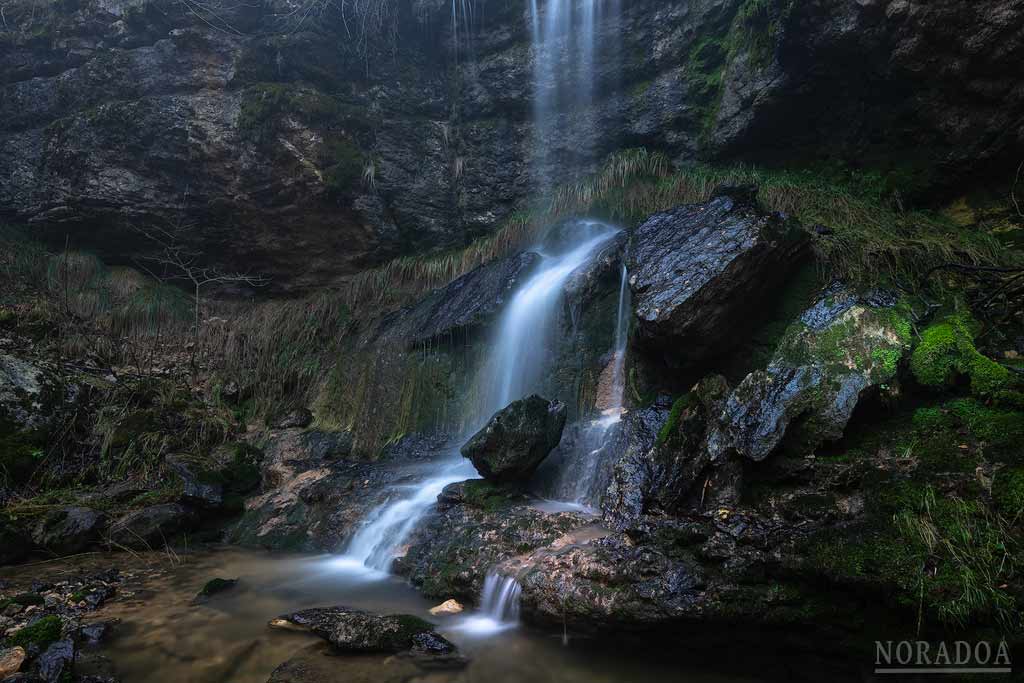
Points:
x=584, y=472
x=499, y=605
x=516, y=368
x=388, y=527
x=518, y=363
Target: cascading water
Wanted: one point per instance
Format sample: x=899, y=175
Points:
x=518, y=362
x=516, y=368
x=590, y=477
x=499, y=606
x=565, y=57
x=565, y=47
x=388, y=527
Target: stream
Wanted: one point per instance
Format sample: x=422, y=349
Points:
x=162, y=638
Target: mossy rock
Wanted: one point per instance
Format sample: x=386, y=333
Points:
x=39, y=634
x=947, y=353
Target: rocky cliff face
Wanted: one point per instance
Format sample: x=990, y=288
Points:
x=309, y=150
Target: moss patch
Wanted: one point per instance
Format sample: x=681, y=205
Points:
x=39, y=634
x=947, y=352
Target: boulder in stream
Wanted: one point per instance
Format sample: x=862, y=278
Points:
x=356, y=631
x=517, y=439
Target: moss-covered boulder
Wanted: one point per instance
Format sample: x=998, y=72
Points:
x=355, y=631
x=841, y=348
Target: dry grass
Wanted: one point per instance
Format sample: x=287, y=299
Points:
x=408, y=277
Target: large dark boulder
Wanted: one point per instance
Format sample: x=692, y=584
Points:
x=354, y=631
x=699, y=273
x=517, y=439
x=151, y=527
x=68, y=530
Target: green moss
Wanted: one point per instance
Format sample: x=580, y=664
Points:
x=671, y=426
x=408, y=627
x=969, y=554
x=946, y=351
x=1008, y=491
x=487, y=496
x=217, y=585
x=1000, y=430
x=39, y=634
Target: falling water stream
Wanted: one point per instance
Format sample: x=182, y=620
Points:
x=563, y=34
x=516, y=367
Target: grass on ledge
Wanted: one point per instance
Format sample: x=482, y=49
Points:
x=871, y=237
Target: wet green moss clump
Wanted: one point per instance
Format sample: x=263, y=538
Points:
x=39, y=634
x=947, y=352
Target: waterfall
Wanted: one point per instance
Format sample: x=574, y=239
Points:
x=516, y=368
x=523, y=340
x=388, y=527
x=499, y=606
x=592, y=475
x=564, y=51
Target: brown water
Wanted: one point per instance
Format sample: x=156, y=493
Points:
x=163, y=638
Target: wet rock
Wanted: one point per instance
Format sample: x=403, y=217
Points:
x=610, y=583
x=623, y=502
x=468, y=302
x=213, y=587
x=95, y=632
x=11, y=660
x=69, y=530
x=450, y=606
x=517, y=439
x=351, y=630
x=298, y=418
x=844, y=346
x=699, y=273
x=478, y=526
x=151, y=527
x=57, y=661
x=196, y=489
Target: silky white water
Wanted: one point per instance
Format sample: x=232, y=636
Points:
x=524, y=340
x=516, y=368
x=388, y=527
x=499, y=606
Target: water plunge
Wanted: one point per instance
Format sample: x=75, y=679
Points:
x=499, y=606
